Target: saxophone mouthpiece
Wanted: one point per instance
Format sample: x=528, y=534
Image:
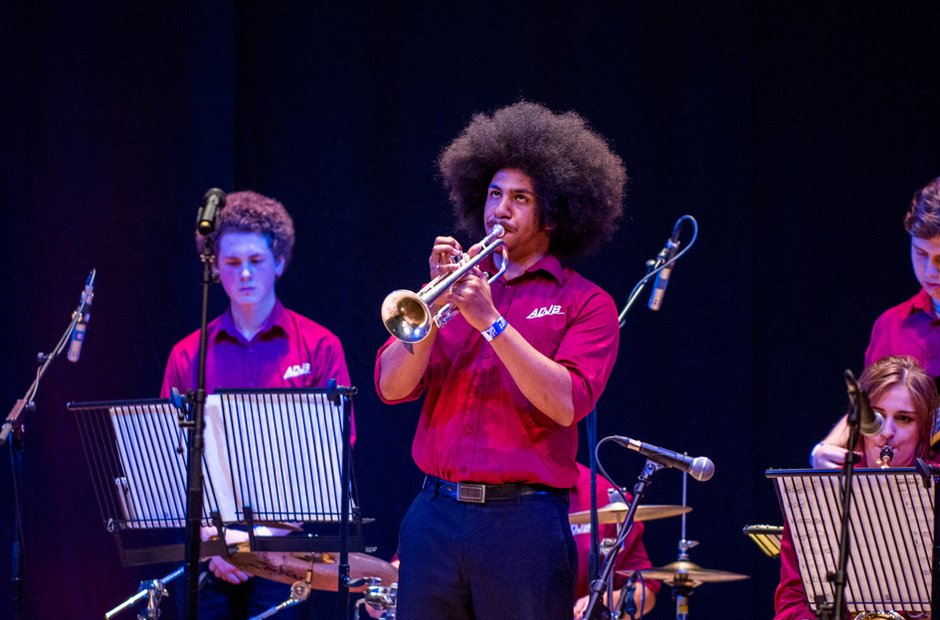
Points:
x=884, y=457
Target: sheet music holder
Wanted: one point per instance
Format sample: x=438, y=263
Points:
x=891, y=524
x=284, y=454
x=290, y=447
x=270, y=455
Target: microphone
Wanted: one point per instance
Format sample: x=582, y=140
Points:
x=212, y=203
x=664, y=258
x=869, y=420
x=84, y=315
x=701, y=468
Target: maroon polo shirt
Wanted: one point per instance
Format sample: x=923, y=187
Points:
x=289, y=351
x=476, y=425
x=910, y=328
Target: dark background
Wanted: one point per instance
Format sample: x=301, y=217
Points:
x=794, y=132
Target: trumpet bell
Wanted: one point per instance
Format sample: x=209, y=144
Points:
x=406, y=316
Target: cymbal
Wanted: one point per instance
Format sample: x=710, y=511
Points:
x=683, y=572
x=617, y=511
x=291, y=567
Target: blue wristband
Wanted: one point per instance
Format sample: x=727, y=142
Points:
x=495, y=329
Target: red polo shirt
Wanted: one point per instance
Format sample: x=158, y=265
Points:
x=910, y=328
x=476, y=425
x=289, y=351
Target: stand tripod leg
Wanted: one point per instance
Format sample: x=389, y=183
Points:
x=682, y=603
x=153, y=591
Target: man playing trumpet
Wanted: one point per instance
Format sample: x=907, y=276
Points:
x=506, y=381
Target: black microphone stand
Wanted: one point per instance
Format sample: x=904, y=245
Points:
x=596, y=610
x=825, y=612
x=653, y=267
x=342, y=395
x=196, y=426
x=14, y=424
x=627, y=606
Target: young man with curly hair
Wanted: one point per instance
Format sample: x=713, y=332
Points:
x=506, y=381
x=256, y=343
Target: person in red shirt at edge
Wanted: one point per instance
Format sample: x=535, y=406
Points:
x=256, y=343
x=913, y=327
x=902, y=391
x=506, y=381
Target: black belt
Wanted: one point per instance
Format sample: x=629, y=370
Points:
x=482, y=493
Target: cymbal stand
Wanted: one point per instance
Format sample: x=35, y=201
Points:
x=153, y=591
x=596, y=610
x=682, y=588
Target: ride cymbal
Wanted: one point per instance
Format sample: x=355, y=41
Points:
x=615, y=513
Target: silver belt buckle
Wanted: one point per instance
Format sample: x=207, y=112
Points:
x=472, y=493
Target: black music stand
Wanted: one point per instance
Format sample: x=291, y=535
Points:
x=891, y=518
x=284, y=459
x=136, y=454
x=270, y=456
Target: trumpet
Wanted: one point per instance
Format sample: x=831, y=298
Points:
x=407, y=315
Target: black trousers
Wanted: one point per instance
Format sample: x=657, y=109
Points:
x=509, y=558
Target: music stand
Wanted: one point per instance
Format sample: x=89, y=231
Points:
x=136, y=457
x=283, y=452
x=891, y=520
x=270, y=455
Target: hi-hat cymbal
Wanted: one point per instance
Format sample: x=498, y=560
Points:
x=683, y=572
x=291, y=567
x=615, y=513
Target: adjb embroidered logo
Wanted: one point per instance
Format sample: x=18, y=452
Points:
x=297, y=370
x=544, y=311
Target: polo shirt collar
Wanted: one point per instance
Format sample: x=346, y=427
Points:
x=277, y=319
x=922, y=302
x=549, y=264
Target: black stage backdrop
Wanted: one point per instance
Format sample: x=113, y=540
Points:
x=795, y=133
